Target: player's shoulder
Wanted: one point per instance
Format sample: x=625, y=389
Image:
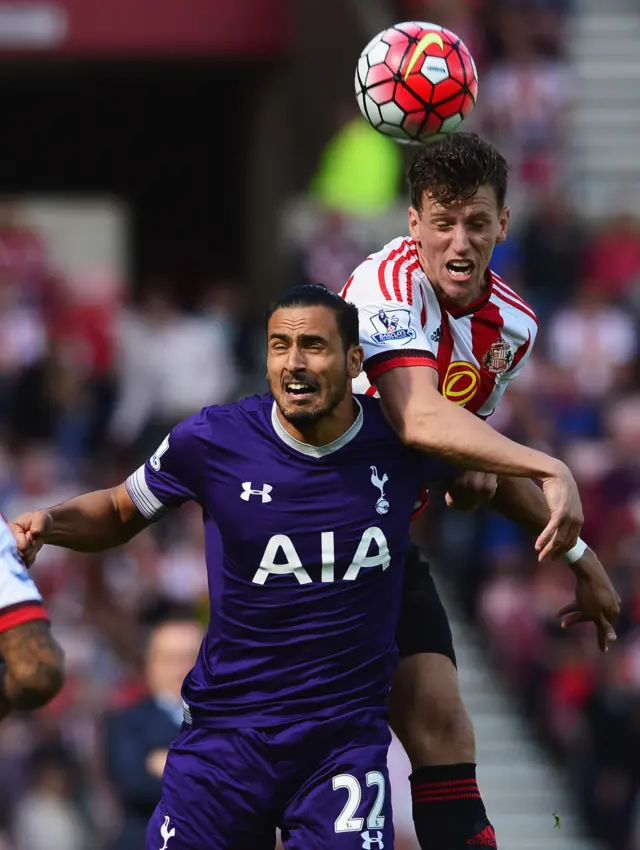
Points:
x=386, y=274
x=518, y=319
x=214, y=417
x=248, y=406
x=218, y=425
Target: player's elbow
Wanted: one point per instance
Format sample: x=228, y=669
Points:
x=38, y=680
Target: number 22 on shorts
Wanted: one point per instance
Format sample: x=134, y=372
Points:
x=346, y=822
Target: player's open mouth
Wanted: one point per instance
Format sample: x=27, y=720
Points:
x=300, y=389
x=460, y=270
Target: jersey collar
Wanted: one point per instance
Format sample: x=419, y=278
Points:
x=317, y=451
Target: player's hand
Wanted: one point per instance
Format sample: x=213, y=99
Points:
x=30, y=532
x=565, y=507
x=470, y=490
x=597, y=600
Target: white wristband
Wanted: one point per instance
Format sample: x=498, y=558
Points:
x=576, y=553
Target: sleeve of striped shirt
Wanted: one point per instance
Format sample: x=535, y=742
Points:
x=167, y=479
x=391, y=320
x=20, y=599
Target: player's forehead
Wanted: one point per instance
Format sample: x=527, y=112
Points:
x=483, y=200
x=304, y=320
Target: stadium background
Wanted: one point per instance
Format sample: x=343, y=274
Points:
x=164, y=171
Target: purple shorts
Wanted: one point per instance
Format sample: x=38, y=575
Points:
x=323, y=783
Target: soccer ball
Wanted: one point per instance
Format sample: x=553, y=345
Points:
x=416, y=82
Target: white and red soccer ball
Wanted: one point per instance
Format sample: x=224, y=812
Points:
x=416, y=82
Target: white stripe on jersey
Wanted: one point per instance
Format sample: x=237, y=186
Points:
x=508, y=295
x=431, y=305
x=393, y=269
x=497, y=280
x=462, y=339
x=149, y=505
x=518, y=321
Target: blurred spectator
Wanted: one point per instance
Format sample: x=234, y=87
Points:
x=525, y=99
x=613, y=260
x=47, y=815
x=552, y=241
x=23, y=254
x=171, y=364
x=360, y=169
x=138, y=738
x=332, y=254
x=594, y=341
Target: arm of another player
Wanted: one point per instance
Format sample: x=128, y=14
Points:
x=31, y=662
x=32, y=669
x=395, y=334
x=596, y=600
x=426, y=421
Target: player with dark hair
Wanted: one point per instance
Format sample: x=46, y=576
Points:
x=307, y=496
x=453, y=169
x=460, y=334
x=31, y=661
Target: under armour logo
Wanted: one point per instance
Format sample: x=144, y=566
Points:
x=247, y=492
x=382, y=505
x=166, y=833
x=368, y=840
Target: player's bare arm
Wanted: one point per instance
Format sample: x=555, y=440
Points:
x=92, y=522
x=32, y=668
x=596, y=600
x=426, y=421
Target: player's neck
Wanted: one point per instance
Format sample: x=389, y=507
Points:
x=328, y=429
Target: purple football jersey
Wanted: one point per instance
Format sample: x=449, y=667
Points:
x=304, y=551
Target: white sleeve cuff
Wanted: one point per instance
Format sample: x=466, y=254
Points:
x=149, y=505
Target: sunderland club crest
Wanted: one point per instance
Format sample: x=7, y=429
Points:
x=498, y=359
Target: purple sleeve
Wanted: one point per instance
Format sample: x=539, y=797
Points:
x=168, y=478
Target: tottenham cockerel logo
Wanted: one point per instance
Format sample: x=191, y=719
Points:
x=382, y=504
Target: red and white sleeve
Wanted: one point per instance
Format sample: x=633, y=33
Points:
x=391, y=311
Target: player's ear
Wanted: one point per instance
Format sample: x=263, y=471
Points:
x=504, y=224
x=355, y=359
x=414, y=223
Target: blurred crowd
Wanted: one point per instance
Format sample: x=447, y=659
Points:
x=92, y=378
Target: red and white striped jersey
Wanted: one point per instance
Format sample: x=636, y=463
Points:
x=20, y=600
x=476, y=351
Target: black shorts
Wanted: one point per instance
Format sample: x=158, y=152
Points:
x=423, y=625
